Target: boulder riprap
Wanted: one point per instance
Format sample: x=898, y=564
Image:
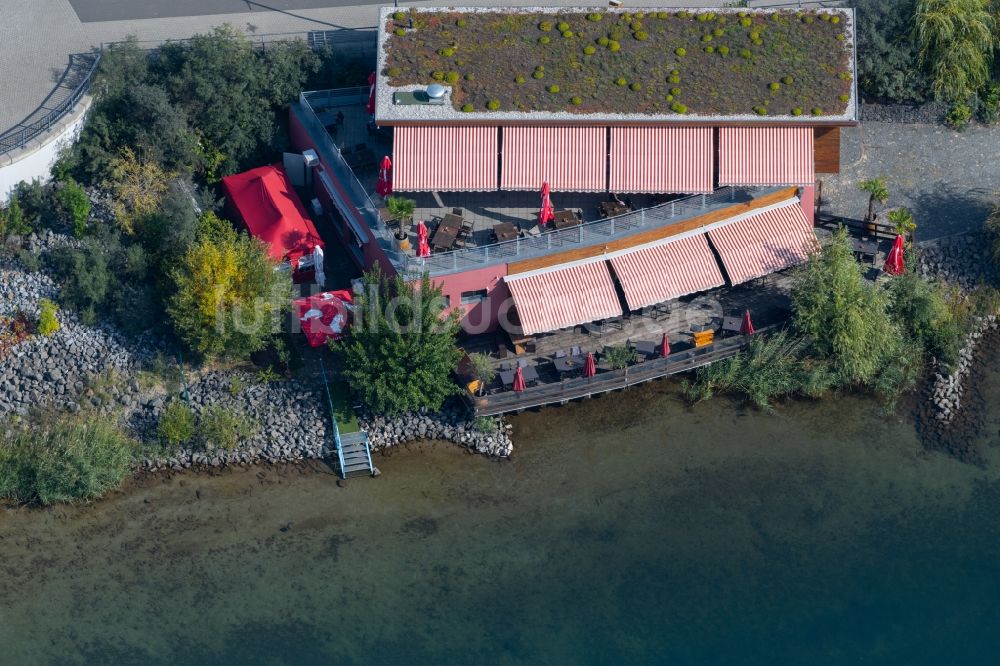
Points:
x=489, y=435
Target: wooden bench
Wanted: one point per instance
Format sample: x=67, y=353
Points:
x=703, y=338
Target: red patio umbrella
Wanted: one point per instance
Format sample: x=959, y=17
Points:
x=590, y=367
x=894, y=264
x=423, y=248
x=546, y=214
x=664, y=346
x=746, y=328
x=370, y=107
x=384, y=184
x=519, y=380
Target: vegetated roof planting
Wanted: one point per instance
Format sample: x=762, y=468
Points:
x=600, y=61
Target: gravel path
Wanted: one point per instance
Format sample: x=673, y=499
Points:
x=949, y=180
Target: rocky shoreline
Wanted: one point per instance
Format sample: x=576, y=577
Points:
x=98, y=369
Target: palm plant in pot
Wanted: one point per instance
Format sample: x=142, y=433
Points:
x=902, y=221
x=401, y=209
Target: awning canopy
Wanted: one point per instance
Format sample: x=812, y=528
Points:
x=666, y=270
x=266, y=202
x=444, y=159
x=764, y=241
x=556, y=298
x=570, y=159
x=661, y=159
x=766, y=156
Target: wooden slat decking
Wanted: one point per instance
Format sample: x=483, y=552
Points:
x=603, y=382
x=826, y=149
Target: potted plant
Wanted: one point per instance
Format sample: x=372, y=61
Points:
x=482, y=370
x=401, y=209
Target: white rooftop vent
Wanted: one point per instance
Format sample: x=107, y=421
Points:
x=310, y=157
x=435, y=91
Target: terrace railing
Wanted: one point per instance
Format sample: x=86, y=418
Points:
x=329, y=149
x=588, y=233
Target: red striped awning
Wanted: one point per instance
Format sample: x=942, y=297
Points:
x=557, y=298
x=666, y=270
x=661, y=159
x=764, y=241
x=766, y=156
x=570, y=159
x=444, y=159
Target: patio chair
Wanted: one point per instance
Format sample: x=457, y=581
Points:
x=559, y=354
x=466, y=227
x=507, y=365
x=458, y=211
x=575, y=351
x=522, y=363
x=501, y=350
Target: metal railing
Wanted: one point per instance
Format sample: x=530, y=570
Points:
x=20, y=135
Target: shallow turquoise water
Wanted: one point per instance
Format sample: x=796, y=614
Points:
x=629, y=528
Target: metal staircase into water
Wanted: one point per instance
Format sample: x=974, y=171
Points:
x=353, y=453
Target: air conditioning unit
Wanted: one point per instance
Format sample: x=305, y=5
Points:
x=310, y=157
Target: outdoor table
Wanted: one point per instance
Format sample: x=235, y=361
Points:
x=529, y=373
x=644, y=347
x=612, y=208
x=505, y=231
x=564, y=218
x=566, y=364
x=452, y=220
x=444, y=238
x=865, y=247
x=732, y=324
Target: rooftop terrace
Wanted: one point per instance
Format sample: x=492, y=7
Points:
x=601, y=64
x=339, y=124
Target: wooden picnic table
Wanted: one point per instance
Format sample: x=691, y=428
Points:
x=565, y=364
x=445, y=237
x=865, y=247
x=529, y=373
x=505, y=231
x=612, y=208
x=563, y=219
x=732, y=324
x=452, y=220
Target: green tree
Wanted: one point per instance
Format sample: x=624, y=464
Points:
x=13, y=221
x=877, y=192
x=846, y=317
x=74, y=205
x=956, y=40
x=138, y=186
x=922, y=309
x=401, y=353
x=228, y=299
x=888, y=61
x=482, y=370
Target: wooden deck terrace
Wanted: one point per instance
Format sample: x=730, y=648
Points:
x=584, y=387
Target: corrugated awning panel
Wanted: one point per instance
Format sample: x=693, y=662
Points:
x=564, y=297
x=569, y=159
x=444, y=159
x=661, y=159
x=766, y=156
x=762, y=243
x=668, y=270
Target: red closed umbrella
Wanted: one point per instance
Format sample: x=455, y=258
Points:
x=746, y=328
x=423, y=248
x=370, y=107
x=894, y=264
x=590, y=367
x=664, y=346
x=384, y=184
x=547, y=213
x=519, y=380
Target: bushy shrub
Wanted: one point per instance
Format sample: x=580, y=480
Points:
x=576, y=101
x=224, y=428
x=447, y=52
x=709, y=49
x=553, y=88
x=674, y=78
x=538, y=74
x=677, y=107
x=399, y=32
x=461, y=23
x=468, y=108
x=545, y=26
x=48, y=323
x=746, y=54
x=544, y=39
x=959, y=116
x=614, y=46
x=69, y=460
x=589, y=50
x=844, y=98
x=563, y=26
x=797, y=111
x=394, y=71
x=519, y=79
x=13, y=221
x=176, y=425
x=594, y=17
x=451, y=77
x=470, y=77
x=493, y=104
x=603, y=41
x=746, y=22
x=437, y=75
x=706, y=38
x=399, y=16
x=636, y=86
x=760, y=110
x=675, y=91
x=74, y=204
x=680, y=52
x=989, y=106
x=723, y=50
x=922, y=309
x=641, y=35
x=621, y=81
x=787, y=80
x=817, y=111
x=774, y=85
x=568, y=34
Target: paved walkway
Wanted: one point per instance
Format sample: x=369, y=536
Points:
x=948, y=179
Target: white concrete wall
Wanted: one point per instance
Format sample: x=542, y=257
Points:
x=36, y=159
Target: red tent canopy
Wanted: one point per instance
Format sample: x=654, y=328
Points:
x=265, y=201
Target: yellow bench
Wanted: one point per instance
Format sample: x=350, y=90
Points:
x=703, y=338
x=473, y=386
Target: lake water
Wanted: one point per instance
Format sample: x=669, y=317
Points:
x=630, y=528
